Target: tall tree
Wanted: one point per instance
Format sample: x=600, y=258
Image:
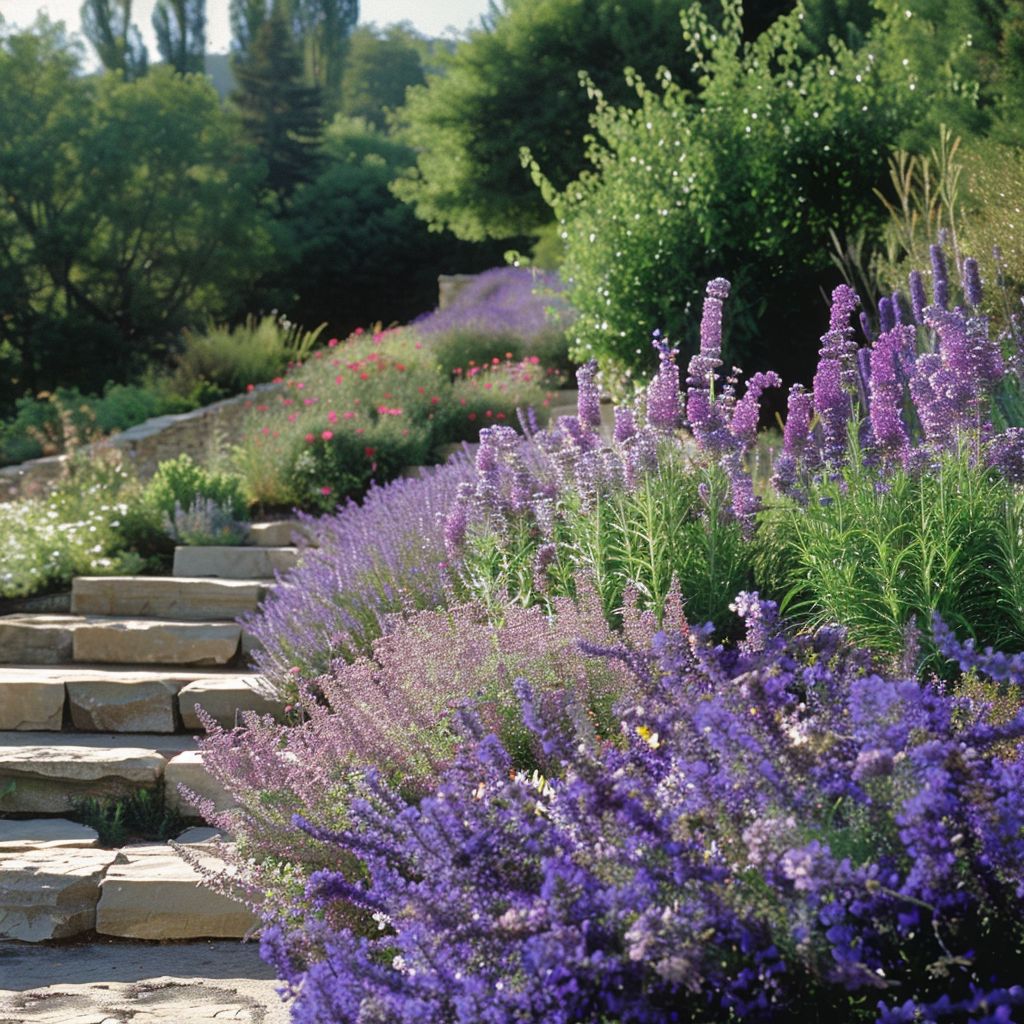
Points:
x=246, y=18
x=180, y=27
x=281, y=114
x=324, y=26
x=379, y=67
x=107, y=24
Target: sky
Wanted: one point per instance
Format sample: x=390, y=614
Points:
x=431, y=17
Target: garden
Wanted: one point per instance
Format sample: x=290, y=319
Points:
x=700, y=701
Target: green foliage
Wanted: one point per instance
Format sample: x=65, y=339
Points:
x=381, y=64
x=180, y=27
x=639, y=544
x=180, y=482
x=88, y=526
x=515, y=82
x=223, y=360
x=353, y=253
x=206, y=522
x=143, y=815
x=280, y=114
x=126, y=212
x=745, y=177
x=107, y=24
x=874, y=556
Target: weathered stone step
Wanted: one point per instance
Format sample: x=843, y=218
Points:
x=112, y=698
x=58, y=639
x=55, y=884
x=234, y=563
x=167, y=597
x=222, y=697
x=280, y=534
x=149, y=892
x=51, y=779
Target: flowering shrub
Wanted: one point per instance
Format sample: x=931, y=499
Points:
x=779, y=833
x=365, y=409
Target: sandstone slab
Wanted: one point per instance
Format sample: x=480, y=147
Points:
x=197, y=598
x=50, y=894
x=156, y=641
x=283, y=533
x=40, y=639
x=44, y=834
x=30, y=700
x=51, y=779
x=123, y=703
x=222, y=699
x=187, y=769
x=151, y=893
x=236, y=563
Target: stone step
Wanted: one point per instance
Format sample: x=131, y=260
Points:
x=56, y=884
x=283, y=533
x=37, y=639
x=223, y=697
x=51, y=778
x=167, y=597
x=105, y=698
x=234, y=563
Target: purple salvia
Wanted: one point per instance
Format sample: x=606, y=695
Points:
x=897, y=308
x=930, y=402
x=588, y=401
x=886, y=412
x=917, y=298
x=663, y=411
x=940, y=277
x=1005, y=452
x=833, y=407
x=641, y=455
x=972, y=282
x=625, y=424
x=865, y=327
x=703, y=368
x=748, y=409
x=864, y=377
x=792, y=461
x=456, y=522
x=886, y=319
x=546, y=556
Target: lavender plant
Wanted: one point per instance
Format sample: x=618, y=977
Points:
x=779, y=833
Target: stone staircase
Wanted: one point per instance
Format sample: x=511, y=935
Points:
x=101, y=703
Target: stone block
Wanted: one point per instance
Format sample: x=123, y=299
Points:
x=123, y=703
x=283, y=533
x=50, y=894
x=223, y=698
x=50, y=780
x=151, y=893
x=166, y=597
x=156, y=641
x=27, y=639
x=17, y=836
x=236, y=563
x=187, y=769
x=30, y=699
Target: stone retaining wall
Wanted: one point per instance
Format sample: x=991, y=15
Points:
x=145, y=445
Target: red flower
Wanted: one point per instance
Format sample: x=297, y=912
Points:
x=310, y=438
x=369, y=452
x=250, y=387
x=471, y=416
x=325, y=490
x=332, y=343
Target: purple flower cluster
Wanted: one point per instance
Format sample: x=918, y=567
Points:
x=777, y=833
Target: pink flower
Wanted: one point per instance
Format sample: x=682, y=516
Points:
x=327, y=435
x=310, y=438
x=292, y=417
x=250, y=387
x=325, y=490
x=331, y=344
x=300, y=385
x=348, y=415
x=332, y=416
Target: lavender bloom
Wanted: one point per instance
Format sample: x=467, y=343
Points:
x=865, y=327
x=994, y=664
x=886, y=318
x=940, y=277
x=972, y=282
x=796, y=457
x=456, y=522
x=1005, y=452
x=588, y=395
x=625, y=424
x=917, y=299
x=897, y=309
x=748, y=409
x=737, y=813
x=836, y=378
x=663, y=411
x=887, y=426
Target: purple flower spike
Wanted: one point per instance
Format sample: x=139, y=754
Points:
x=940, y=277
x=897, y=309
x=625, y=424
x=887, y=426
x=663, y=409
x=844, y=302
x=972, y=282
x=796, y=442
x=588, y=396
x=748, y=408
x=886, y=320
x=865, y=328
x=917, y=299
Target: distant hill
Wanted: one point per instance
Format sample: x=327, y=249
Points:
x=218, y=67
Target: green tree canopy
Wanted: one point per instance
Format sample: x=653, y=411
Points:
x=127, y=210
x=381, y=64
x=515, y=82
x=281, y=115
x=180, y=27
x=107, y=24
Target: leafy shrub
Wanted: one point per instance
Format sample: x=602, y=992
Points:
x=179, y=483
x=223, y=360
x=777, y=833
x=748, y=173
x=363, y=410
x=142, y=815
